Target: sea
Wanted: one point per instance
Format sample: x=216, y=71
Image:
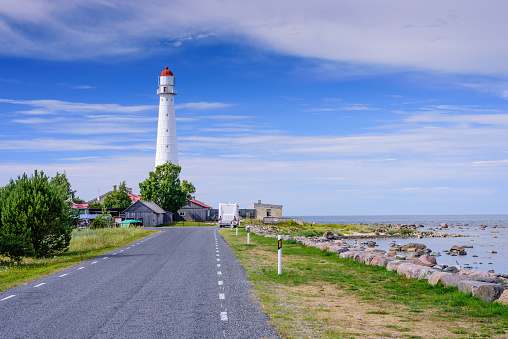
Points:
x=494, y=237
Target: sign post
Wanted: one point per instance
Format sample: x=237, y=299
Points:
x=279, y=254
x=248, y=235
x=236, y=230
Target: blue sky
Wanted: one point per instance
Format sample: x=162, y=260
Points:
x=326, y=107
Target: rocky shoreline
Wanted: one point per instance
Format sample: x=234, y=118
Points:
x=421, y=265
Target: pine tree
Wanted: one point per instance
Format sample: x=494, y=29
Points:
x=33, y=210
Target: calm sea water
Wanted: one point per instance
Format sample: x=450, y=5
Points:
x=493, y=237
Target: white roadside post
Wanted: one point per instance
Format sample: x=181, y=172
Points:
x=248, y=235
x=236, y=230
x=279, y=254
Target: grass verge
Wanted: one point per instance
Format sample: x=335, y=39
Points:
x=322, y=296
x=85, y=244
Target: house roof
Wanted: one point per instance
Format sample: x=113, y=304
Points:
x=134, y=197
x=150, y=204
x=199, y=203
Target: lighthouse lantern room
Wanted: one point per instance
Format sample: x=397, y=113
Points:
x=166, y=131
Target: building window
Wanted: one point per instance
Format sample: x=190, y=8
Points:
x=166, y=99
x=268, y=212
x=182, y=214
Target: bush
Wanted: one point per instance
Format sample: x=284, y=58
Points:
x=32, y=209
x=102, y=220
x=14, y=247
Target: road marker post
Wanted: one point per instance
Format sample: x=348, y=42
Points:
x=279, y=254
x=248, y=235
x=236, y=230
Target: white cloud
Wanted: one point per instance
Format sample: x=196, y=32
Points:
x=453, y=36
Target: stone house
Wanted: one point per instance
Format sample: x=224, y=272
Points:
x=267, y=210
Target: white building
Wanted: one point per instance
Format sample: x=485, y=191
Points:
x=166, y=132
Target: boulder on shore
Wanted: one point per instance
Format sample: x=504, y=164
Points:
x=485, y=291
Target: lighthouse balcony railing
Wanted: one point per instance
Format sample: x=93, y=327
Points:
x=166, y=90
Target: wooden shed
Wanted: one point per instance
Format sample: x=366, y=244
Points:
x=194, y=210
x=148, y=212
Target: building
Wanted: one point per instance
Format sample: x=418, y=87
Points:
x=101, y=197
x=166, y=150
x=148, y=212
x=267, y=210
x=194, y=210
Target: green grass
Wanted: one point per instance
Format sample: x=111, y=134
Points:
x=85, y=244
x=305, y=267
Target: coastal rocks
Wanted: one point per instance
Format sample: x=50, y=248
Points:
x=503, y=299
x=485, y=291
x=415, y=247
x=330, y=235
x=435, y=278
x=427, y=260
x=394, y=264
x=444, y=225
x=453, y=279
x=492, y=252
x=457, y=250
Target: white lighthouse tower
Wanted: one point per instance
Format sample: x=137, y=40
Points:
x=166, y=132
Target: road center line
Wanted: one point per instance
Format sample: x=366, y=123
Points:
x=80, y=268
x=219, y=273
x=218, y=265
x=40, y=285
x=222, y=296
x=95, y=262
x=224, y=316
x=11, y=296
x=218, y=259
x=63, y=275
x=220, y=282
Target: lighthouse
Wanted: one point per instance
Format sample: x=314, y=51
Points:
x=166, y=131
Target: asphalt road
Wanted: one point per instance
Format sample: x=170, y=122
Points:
x=179, y=283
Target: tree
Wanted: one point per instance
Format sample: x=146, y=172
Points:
x=33, y=211
x=95, y=204
x=189, y=188
x=64, y=186
x=118, y=198
x=163, y=187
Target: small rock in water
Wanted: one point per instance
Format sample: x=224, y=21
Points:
x=492, y=252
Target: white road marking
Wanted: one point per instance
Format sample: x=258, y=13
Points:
x=222, y=296
x=218, y=259
x=11, y=296
x=63, y=275
x=218, y=265
x=121, y=251
x=80, y=268
x=114, y=253
x=224, y=316
x=104, y=258
x=40, y=285
x=95, y=262
x=217, y=255
x=219, y=273
x=220, y=282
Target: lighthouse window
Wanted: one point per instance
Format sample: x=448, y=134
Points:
x=166, y=130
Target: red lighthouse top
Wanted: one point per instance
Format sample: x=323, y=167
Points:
x=166, y=72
